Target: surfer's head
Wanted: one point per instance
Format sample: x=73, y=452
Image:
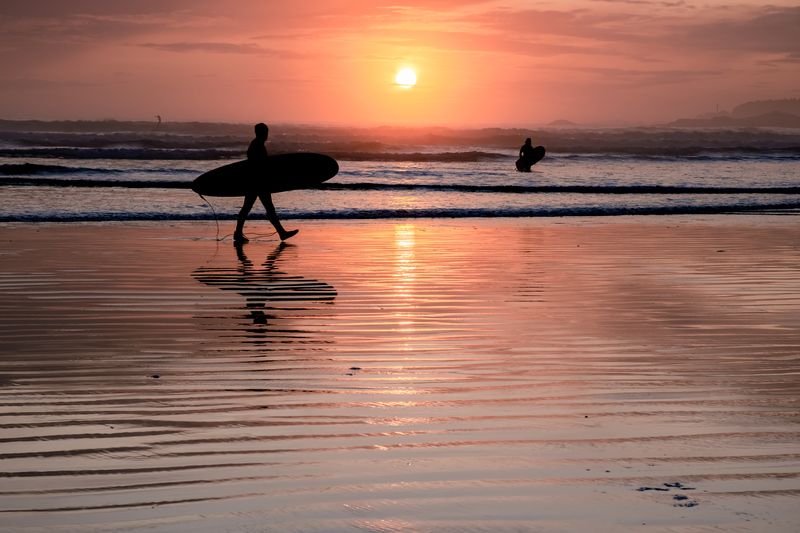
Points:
x=528, y=140
x=262, y=130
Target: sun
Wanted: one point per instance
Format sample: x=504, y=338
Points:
x=406, y=78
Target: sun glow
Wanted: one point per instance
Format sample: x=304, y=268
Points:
x=406, y=78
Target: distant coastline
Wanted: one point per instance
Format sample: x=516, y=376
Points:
x=755, y=114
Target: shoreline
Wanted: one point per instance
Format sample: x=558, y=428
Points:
x=435, y=375
x=745, y=215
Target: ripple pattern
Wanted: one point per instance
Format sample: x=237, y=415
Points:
x=402, y=376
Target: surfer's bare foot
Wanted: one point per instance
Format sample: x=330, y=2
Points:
x=239, y=238
x=288, y=234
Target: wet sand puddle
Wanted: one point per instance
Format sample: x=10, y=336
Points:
x=393, y=376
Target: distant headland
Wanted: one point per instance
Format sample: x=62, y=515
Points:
x=756, y=114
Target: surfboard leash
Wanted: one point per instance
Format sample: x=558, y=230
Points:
x=216, y=219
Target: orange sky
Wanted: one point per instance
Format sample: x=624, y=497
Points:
x=492, y=63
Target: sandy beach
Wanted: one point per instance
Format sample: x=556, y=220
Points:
x=596, y=374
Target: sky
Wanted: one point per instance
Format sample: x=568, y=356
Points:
x=478, y=63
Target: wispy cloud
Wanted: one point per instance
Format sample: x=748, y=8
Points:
x=209, y=47
x=768, y=29
x=662, y=3
x=644, y=77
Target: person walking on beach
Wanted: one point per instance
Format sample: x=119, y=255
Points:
x=257, y=155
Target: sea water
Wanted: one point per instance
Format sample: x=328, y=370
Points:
x=117, y=171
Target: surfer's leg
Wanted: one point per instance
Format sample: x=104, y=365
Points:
x=238, y=235
x=272, y=215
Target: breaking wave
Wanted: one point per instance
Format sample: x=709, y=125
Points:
x=441, y=187
x=786, y=207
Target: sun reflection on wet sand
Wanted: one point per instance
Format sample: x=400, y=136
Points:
x=405, y=280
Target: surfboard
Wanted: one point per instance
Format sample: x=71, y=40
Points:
x=524, y=165
x=283, y=172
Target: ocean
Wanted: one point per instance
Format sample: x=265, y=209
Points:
x=118, y=171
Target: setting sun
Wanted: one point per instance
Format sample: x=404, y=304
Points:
x=406, y=78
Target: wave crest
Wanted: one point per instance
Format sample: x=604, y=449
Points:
x=787, y=207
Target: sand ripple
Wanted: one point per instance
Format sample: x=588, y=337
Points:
x=421, y=376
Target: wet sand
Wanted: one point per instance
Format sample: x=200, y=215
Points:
x=414, y=376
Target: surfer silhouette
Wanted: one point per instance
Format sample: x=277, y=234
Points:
x=526, y=151
x=257, y=154
x=529, y=156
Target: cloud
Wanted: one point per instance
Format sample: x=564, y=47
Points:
x=187, y=47
x=54, y=33
x=648, y=35
x=770, y=29
x=35, y=84
x=664, y=3
x=645, y=77
x=60, y=8
x=209, y=47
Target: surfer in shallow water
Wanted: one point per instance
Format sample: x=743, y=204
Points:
x=529, y=156
x=257, y=154
x=526, y=150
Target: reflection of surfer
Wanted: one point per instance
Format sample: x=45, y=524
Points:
x=529, y=156
x=245, y=265
x=260, y=286
x=257, y=153
x=256, y=304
